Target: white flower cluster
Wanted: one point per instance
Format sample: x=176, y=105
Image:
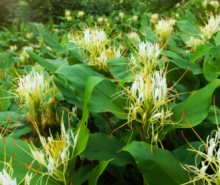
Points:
x=215, y=4
x=133, y=36
x=29, y=35
x=194, y=42
x=94, y=37
x=212, y=27
x=149, y=50
x=57, y=152
x=31, y=84
x=13, y=48
x=81, y=13
x=147, y=56
x=164, y=27
x=210, y=159
x=6, y=179
x=150, y=105
x=154, y=17
x=24, y=55
x=68, y=15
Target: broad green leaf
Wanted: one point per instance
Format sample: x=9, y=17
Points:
x=190, y=17
x=211, y=65
x=75, y=52
x=189, y=80
x=188, y=28
x=196, y=107
x=68, y=93
x=119, y=67
x=49, y=40
x=47, y=65
x=201, y=51
x=81, y=175
x=185, y=156
x=11, y=116
x=104, y=96
x=158, y=166
x=96, y=172
x=103, y=147
x=184, y=64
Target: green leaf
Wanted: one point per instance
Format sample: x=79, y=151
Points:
x=96, y=172
x=102, y=90
x=189, y=80
x=196, y=107
x=184, y=64
x=49, y=40
x=201, y=51
x=81, y=175
x=119, y=67
x=188, y=28
x=185, y=156
x=47, y=65
x=103, y=147
x=217, y=39
x=211, y=65
x=145, y=22
x=190, y=17
x=158, y=166
x=5, y=100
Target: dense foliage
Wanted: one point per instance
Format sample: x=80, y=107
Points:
x=111, y=93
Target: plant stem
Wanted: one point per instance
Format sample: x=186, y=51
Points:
x=9, y=131
x=141, y=133
x=114, y=175
x=109, y=124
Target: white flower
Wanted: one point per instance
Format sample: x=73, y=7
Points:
x=5, y=179
x=29, y=35
x=100, y=19
x=69, y=18
x=177, y=5
x=212, y=27
x=67, y=13
x=204, y=4
x=81, y=13
x=39, y=156
x=117, y=53
x=28, y=179
x=211, y=147
x=103, y=58
x=177, y=15
x=74, y=110
x=133, y=35
x=121, y=15
x=50, y=166
x=135, y=17
x=13, y=48
x=154, y=17
x=194, y=42
x=165, y=27
x=203, y=169
x=215, y=4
